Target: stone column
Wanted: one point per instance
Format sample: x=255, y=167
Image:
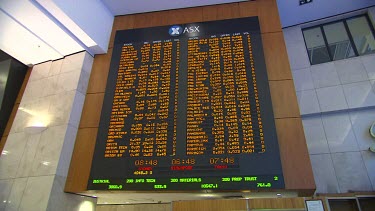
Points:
x=36, y=157
x=371, y=14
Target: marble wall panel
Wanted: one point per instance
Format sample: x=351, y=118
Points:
x=61, y=107
x=15, y=196
x=359, y=95
x=339, y=133
x=351, y=70
x=303, y=79
x=53, y=98
x=48, y=151
x=324, y=174
x=11, y=155
x=324, y=75
x=5, y=188
x=345, y=93
x=361, y=122
x=40, y=71
x=331, y=98
x=73, y=62
x=315, y=135
x=66, y=151
x=308, y=102
x=36, y=193
x=28, y=155
x=369, y=160
x=59, y=200
x=351, y=172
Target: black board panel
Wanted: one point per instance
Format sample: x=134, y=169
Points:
x=188, y=107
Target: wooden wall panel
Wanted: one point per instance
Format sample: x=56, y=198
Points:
x=99, y=73
x=23, y=87
x=91, y=110
x=2, y=143
x=284, y=99
x=11, y=119
x=268, y=16
x=293, y=149
x=266, y=10
x=121, y=22
x=277, y=203
x=248, y=9
x=188, y=15
x=210, y=205
x=79, y=170
x=278, y=67
x=295, y=159
x=150, y=19
x=134, y=207
x=220, y=12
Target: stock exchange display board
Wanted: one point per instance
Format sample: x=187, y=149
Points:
x=188, y=107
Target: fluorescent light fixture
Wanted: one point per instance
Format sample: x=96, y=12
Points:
x=34, y=129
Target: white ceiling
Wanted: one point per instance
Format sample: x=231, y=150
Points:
x=35, y=31
x=125, y=7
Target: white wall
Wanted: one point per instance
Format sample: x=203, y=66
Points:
x=291, y=13
x=337, y=104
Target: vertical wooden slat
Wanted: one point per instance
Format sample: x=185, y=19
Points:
x=80, y=165
x=91, y=110
x=189, y=15
x=121, y=23
x=210, y=205
x=284, y=99
x=99, y=73
x=268, y=16
x=2, y=143
x=221, y=12
x=277, y=203
x=276, y=56
x=295, y=159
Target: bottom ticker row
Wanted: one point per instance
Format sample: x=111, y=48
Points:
x=189, y=183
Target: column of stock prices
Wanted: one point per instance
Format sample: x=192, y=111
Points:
x=187, y=107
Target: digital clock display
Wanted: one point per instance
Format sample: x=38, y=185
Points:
x=187, y=107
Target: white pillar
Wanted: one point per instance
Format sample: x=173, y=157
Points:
x=35, y=164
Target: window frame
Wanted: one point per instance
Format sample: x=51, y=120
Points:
x=351, y=40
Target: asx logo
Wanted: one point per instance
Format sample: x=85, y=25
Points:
x=177, y=30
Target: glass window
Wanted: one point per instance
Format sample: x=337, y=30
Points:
x=338, y=41
x=316, y=47
x=362, y=35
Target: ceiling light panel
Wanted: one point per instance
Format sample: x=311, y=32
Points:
x=35, y=21
x=130, y=7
